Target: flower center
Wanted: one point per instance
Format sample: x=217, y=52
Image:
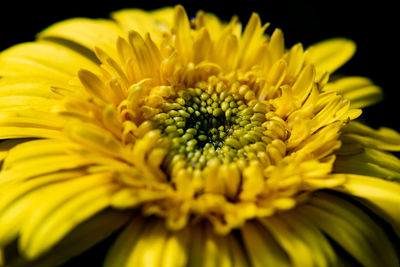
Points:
x=210, y=122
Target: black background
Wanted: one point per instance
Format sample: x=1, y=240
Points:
x=372, y=24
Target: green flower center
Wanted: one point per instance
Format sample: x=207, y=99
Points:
x=203, y=123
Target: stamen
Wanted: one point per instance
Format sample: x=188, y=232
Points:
x=205, y=123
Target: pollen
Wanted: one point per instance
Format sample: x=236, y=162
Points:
x=210, y=122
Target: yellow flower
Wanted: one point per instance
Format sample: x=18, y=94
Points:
x=202, y=143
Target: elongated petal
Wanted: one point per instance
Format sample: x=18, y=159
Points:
x=157, y=22
x=8, y=132
x=121, y=250
x=87, y=33
x=359, y=90
x=372, y=188
x=323, y=252
x=184, y=40
x=364, y=224
x=383, y=138
x=262, y=248
x=148, y=250
x=86, y=235
x=39, y=157
x=329, y=55
x=83, y=237
x=43, y=59
x=383, y=195
x=18, y=93
x=251, y=39
x=210, y=249
x=176, y=249
x=369, y=161
x=96, y=138
x=17, y=203
x=292, y=244
x=216, y=250
x=60, y=194
x=5, y=146
x=303, y=85
x=55, y=226
x=342, y=231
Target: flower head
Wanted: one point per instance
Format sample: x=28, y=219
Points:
x=207, y=144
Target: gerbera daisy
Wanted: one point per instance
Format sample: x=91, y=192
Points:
x=196, y=142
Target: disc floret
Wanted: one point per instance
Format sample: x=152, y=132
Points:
x=208, y=121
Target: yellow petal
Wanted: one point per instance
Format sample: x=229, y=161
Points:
x=298, y=251
x=122, y=248
x=88, y=33
x=47, y=165
x=140, y=160
x=329, y=55
x=72, y=213
x=232, y=179
x=277, y=73
x=96, y=138
x=48, y=201
x=238, y=255
x=156, y=22
x=143, y=64
x=359, y=90
x=344, y=233
x=23, y=162
x=43, y=59
x=129, y=198
x=94, y=85
x=12, y=216
x=213, y=25
x=83, y=237
x=276, y=45
x=202, y=45
x=183, y=40
x=112, y=67
x=383, y=138
x=21, y=102
x=335, y=109
x=377, y=237
x=261, y=247
x=176, y=249
x=26, y=92
x=213, y=182
x=295, y=61
x=324, y=254
x=26, y=118
x=371, y=188
x=21, y=189
x=250, y=42
x=224, y=51
x=302, y=87
x=371, y=162
x=215, y=250
x=253, y=182
x=76, y=242
x=28, y=132
x=149, y=247
x=196, y=248
x=6, y=145
x=19, y=155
